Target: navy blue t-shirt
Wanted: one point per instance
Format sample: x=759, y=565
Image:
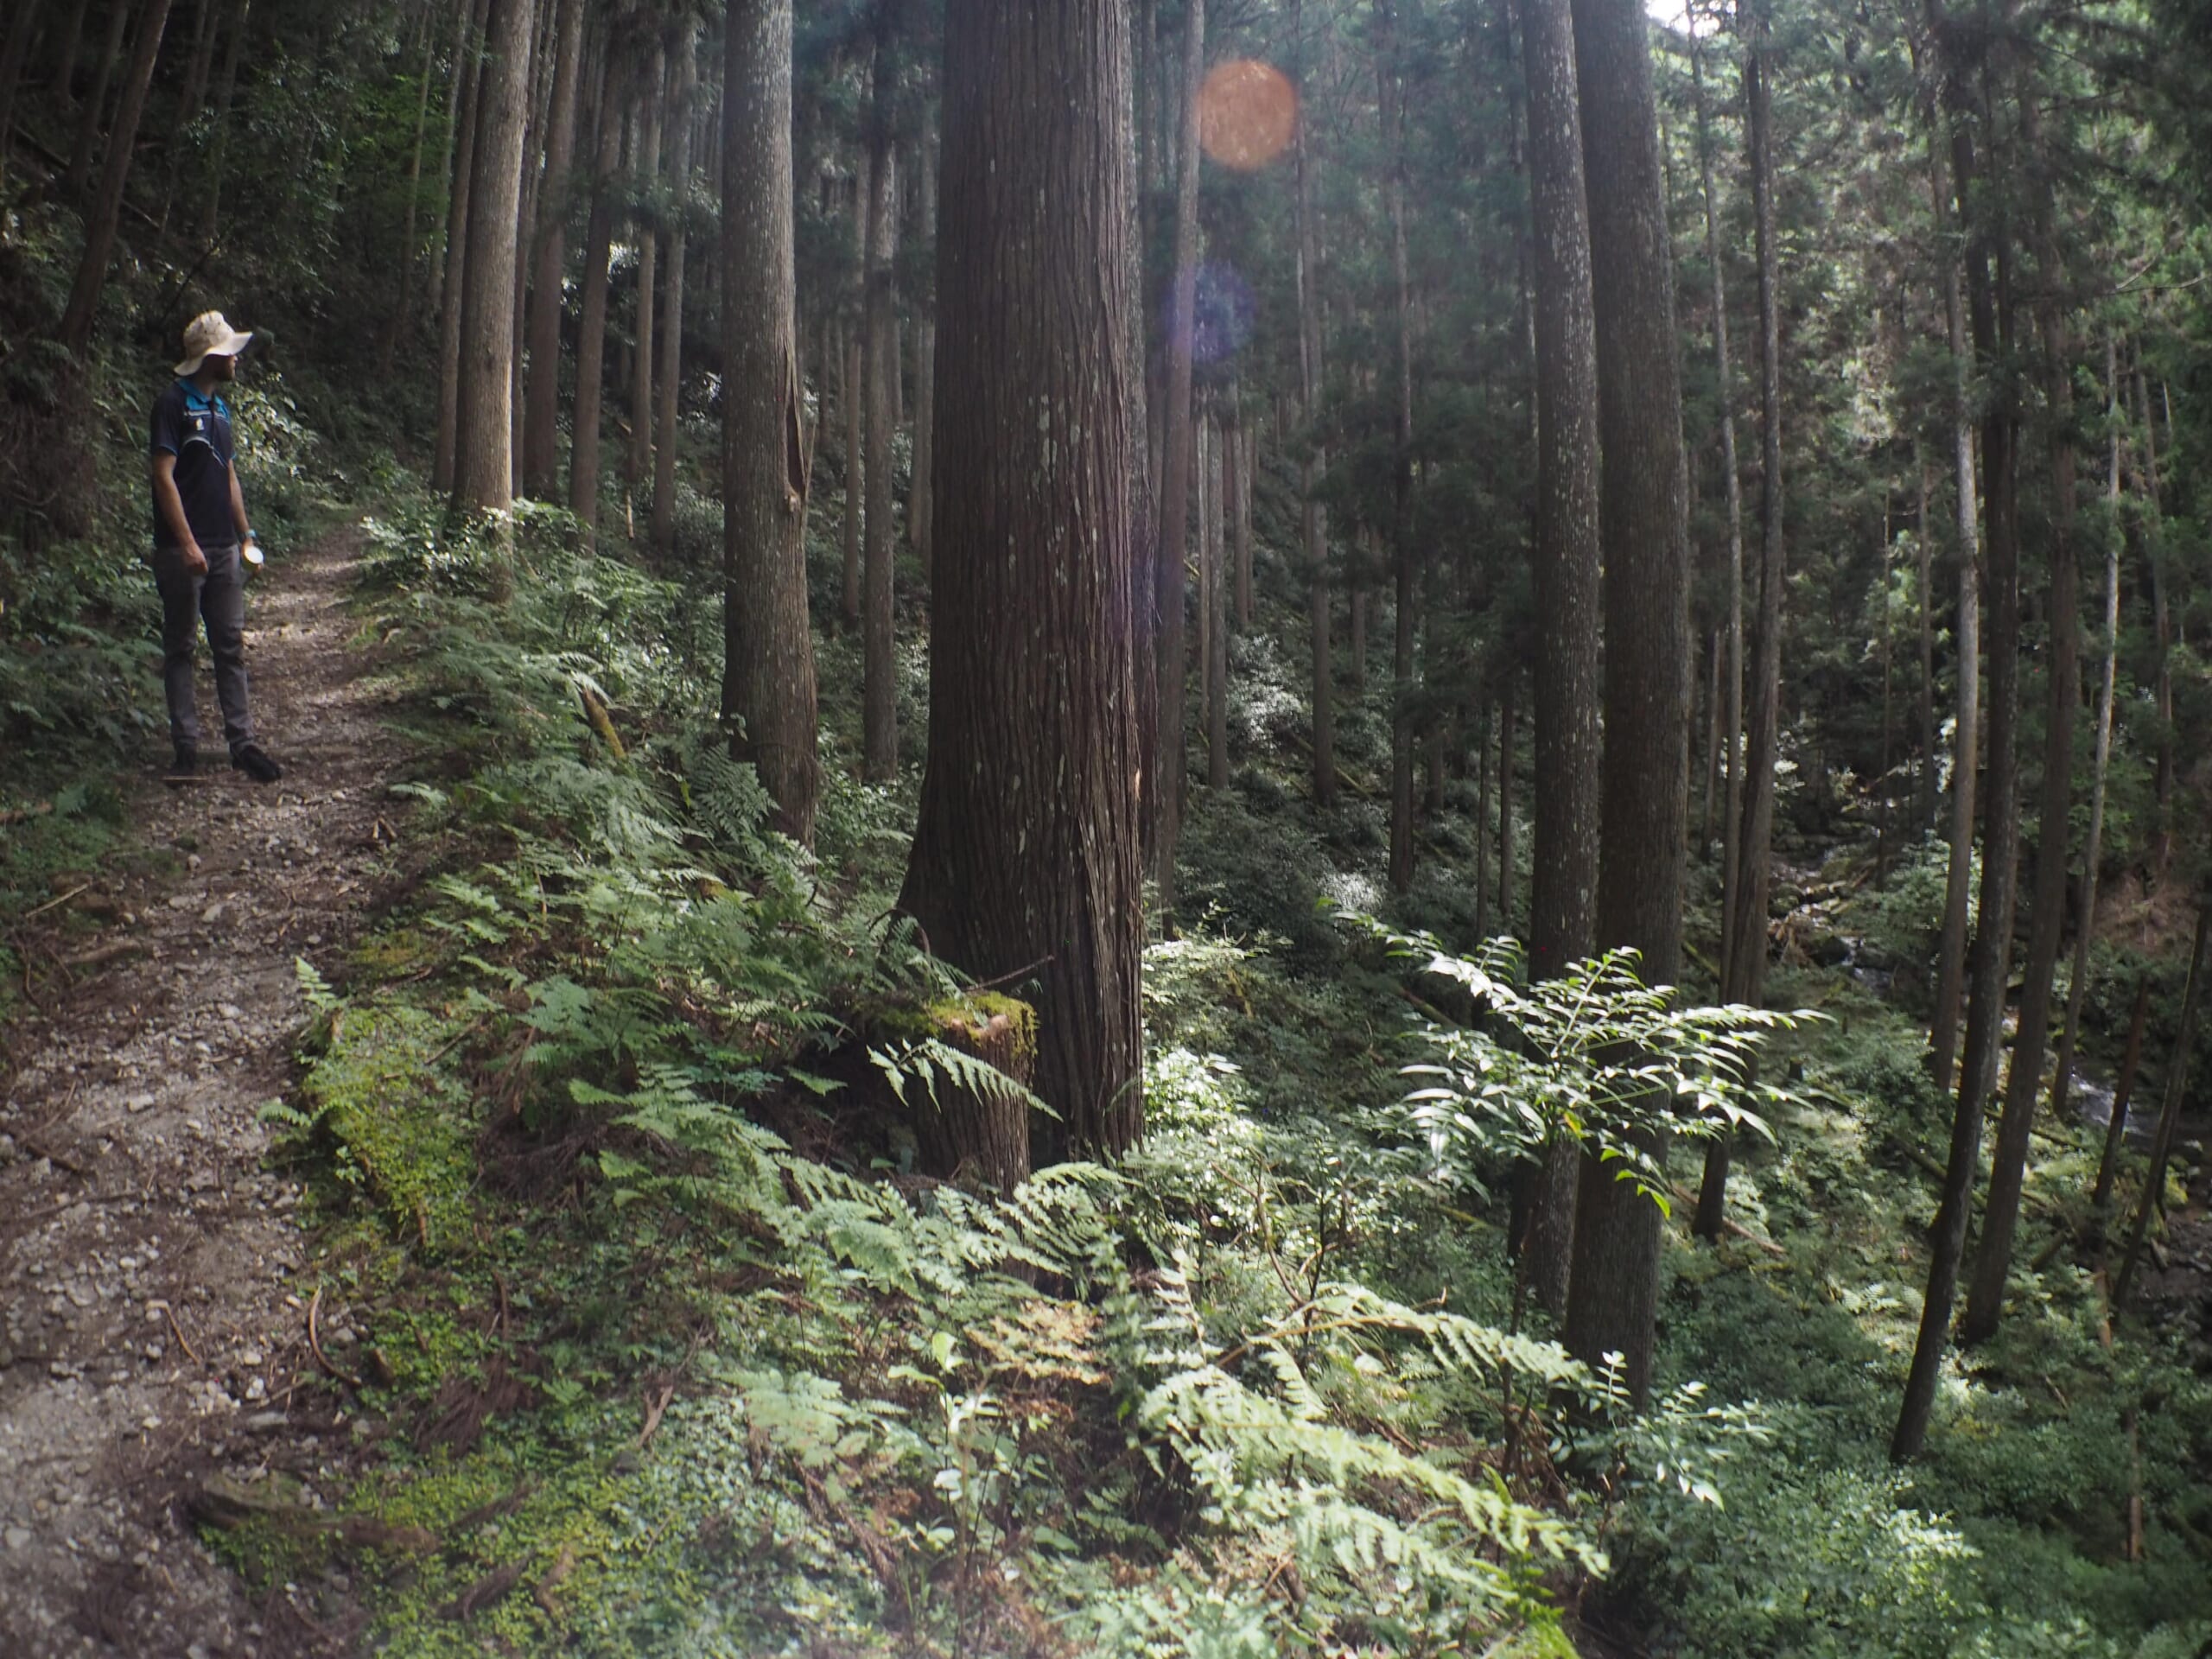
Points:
x=196, y=429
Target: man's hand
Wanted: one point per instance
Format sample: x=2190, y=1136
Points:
x=194, y=560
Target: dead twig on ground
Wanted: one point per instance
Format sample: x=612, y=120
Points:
x=315, y=1343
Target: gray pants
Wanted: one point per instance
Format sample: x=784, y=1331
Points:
x=218, y=597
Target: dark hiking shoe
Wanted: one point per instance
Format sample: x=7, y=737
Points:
x=187, y=760
x=253, y=760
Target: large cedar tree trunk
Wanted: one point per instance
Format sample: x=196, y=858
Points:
x=1023, y=868
x=541, y=450
x=768, y=674
x=107, y=208
x=1562, y=920
x=879, y=379
x=484, y=439
x=1612, y=1297
x=918, y=493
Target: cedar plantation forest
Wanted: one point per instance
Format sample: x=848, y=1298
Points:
x=1140, y=827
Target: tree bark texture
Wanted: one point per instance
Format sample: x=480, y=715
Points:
x=1613, y=1298
x=402, y=294
x=1743, y=974
x=14, y=47
x=190, y=98
x=670, y=383
x=1220, y=439
x=219, y=138
x=880, y=376
x=1026, y=848
x=541, y=446
x=849, y=394
x=107, y=207
x=484, y=438
x=768, y=669
x=1171, y=763
x=1563, y=921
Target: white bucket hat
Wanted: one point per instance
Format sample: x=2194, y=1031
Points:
x=209, y=335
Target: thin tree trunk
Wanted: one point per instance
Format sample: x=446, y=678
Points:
x=2154, y=544
x=14, y=50
x=849, y=394
x=2023, y=1090
x=1563, y=921
x=67, y=53
x=1992, y=939
x=540, y=447
x=2124, y=1089
x=918, y=494
x=189, y=100
x=638, y=454
x=1020, y=870
x=443, y=449
x=1744, y=978
x=1220, y=441
x=1924, y=812
x=672, y=299
x=2092, y=849
x=768, y=683
x=1170, y=764
x=1613, y=1292
x=107, y=210
x=1316, y=462
x=880, y=700
x=1882, y=844
x=1392, y=102
x=2162, y=1140
x=1238, y=457
x=402, y=298
x=484, y=452
x=465, y=18
x=1716, y=657
x=1356, y=609
x=1509, y=705
x=88, y=128
x=1951, y=952
x=1732, y=821
x=591, y=326
x=1483, y=730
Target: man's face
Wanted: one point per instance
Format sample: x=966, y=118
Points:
x=223, y=368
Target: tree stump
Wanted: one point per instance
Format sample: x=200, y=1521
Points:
x=976, y=1133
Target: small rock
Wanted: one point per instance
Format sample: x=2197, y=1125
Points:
x=230, y=1011
x=17, y=1537
x=267, y=1419
x=140, y=1102
x=250, y=1357
x=215, y=913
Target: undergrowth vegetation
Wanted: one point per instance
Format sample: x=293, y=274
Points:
x=658, y=1335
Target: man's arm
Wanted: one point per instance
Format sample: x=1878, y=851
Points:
x=170, y=505
x=237, y=505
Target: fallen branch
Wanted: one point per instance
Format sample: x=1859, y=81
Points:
x=52, y=904
x=100, y=955
x=190, y=1352
x=315, y=1343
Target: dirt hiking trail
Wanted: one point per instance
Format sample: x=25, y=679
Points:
x=153, y=1282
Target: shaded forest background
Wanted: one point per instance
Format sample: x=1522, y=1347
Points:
x=996, y=593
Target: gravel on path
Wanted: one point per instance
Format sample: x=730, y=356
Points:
x=154, y=1281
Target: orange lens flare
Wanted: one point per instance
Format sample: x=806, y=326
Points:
x=1247, y=113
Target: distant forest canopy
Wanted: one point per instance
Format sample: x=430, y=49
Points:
x=1600, y=467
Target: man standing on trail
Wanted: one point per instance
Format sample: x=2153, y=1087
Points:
x=203, y=545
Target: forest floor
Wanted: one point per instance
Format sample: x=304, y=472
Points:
x=153, y=1306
